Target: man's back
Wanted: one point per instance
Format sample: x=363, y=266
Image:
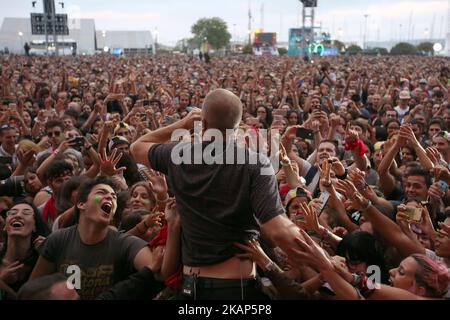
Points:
x=218, y=203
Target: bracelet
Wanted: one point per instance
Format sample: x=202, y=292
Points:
x=270, y=266
x=344, y=176
x=369, y=205
x=88, y=147
x=160, y=201
x=325, y=234
x=360, y=283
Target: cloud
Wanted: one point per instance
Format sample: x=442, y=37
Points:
x=400, y=10
x=122, y=20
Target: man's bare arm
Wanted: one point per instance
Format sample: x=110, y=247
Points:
x=141, y=147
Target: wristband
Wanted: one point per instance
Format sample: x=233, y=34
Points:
x=88, y=147
x=325, y=234
x=270, y=266
x=344, y=176
x=369, y=205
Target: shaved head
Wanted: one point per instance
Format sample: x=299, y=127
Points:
x=222, y=110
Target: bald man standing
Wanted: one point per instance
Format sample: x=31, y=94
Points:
x=219, y=204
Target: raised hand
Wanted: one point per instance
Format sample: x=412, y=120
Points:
x=325, y=174
x=157, y=183
x=311, y=221
x=337, y=166
x=310, y=253
x=406, y=134
x=441, y=173
x=357, y=201
x=434, y=155
x=108, y=164
x=191, y=118
x=26, y=158
x=350, y=135
x=154, y=220
x=171, y=212
x=254, y=252
x=357, y=177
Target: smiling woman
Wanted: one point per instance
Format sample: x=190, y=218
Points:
x=25, y=232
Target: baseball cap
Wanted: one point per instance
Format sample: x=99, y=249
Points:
x=298, y=192
x=405, y=95
x=116, y=141
x=121, y=125
x=423, y=81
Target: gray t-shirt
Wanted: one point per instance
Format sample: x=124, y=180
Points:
x=102, y=264
x=219, y=203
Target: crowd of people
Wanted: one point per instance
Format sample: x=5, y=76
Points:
x=356, y=207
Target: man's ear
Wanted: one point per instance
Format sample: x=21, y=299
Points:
x=81, y=205
x=204, y=125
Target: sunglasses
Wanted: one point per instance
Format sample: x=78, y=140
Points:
x=54, y=134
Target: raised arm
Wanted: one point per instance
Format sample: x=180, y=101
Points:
x=172, y=254
x=384, y=226
x=141, y=147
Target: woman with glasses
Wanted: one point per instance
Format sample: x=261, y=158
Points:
x=24, y=233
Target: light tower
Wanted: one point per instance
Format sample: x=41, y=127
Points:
x=307, y=23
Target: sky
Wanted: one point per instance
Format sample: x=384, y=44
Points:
x=172, y=19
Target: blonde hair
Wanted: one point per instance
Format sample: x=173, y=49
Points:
x=26, y=145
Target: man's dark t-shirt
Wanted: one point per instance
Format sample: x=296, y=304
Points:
x=218, y=203
x=102, y=264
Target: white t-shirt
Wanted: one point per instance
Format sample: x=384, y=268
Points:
x=401, y=112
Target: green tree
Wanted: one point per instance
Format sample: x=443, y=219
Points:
x=426, y=47
x=403, y=48
x=248, y=49
x=378, y=50
x=338, y=44
x=213, y=30
x=282, y=51
x=354, y=49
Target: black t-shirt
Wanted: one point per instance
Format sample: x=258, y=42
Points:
x=102, y=264
x=218, y=203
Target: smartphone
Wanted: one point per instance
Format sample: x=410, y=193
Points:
x=305, y=133
x=324, y=197
x=443, y=186
x=77, y=142
x=414, y=214
x=6, y=160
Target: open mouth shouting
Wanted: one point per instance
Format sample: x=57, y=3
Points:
x=107, y=208
x=17, y=224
